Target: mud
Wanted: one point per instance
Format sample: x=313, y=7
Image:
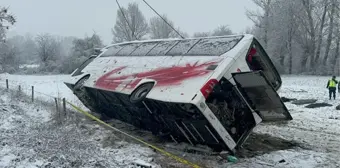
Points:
x=304, y=101
x=285, y=99
x=255, y=145
x=337, y=107
x=317, y=105
x=259, y=144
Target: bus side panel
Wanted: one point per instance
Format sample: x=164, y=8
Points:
x=176, y=78
x=119, y=73
x=181, y=82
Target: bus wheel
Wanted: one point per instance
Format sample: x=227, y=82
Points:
x=140, y=93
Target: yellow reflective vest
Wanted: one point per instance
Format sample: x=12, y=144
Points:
x=332, y=83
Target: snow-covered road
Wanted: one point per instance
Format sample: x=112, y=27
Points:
x=312, y=128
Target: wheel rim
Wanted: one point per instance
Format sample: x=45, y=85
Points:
x=140, y=93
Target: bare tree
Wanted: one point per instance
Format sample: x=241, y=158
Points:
x=219, y=31
x=301, y=36
x=201, y=34
x=130, y=24
x=306, y=35
x=48, y=48
x=8, y=52
x=282, y=32
x=291, y=32
x=335, y=61
x=182, y=33
x=159, y=29
x=336, y=58
x=5, y=20
x=9, y=57
x=321, y=29
x=86, y=47
x=262, y=20
x=222, y=30
x=330, y=30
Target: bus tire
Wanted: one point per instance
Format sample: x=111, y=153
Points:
x=139, y=94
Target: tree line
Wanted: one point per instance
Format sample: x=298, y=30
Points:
x=57, y=54
x=131, y=25
x=53, y=54
x=301, y=36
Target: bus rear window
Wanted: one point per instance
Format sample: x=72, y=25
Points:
x=258, y=59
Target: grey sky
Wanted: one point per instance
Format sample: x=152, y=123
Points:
x=81, y=17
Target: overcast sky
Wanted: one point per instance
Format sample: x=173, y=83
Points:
x=81, y=17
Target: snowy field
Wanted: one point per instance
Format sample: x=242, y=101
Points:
x=317, y=131
x=46, y=86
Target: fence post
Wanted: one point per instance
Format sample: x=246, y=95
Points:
x=7, y=84
x=32, y=93
x=56, y=105
x=64, y=106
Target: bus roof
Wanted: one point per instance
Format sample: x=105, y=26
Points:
x=201, y=46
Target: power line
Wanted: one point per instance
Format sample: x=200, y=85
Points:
x=121, y=10
x=164, y=19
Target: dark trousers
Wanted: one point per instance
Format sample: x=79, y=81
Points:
x=331, y=91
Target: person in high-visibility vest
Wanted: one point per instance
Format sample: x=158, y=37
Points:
x=331, y=85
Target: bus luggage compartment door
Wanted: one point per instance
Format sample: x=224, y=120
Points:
x=261, y=96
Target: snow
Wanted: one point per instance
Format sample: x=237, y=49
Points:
x=289, y=158
x=29, y=66
x=30, y=136
x=46, y=87
x=315, y=130
x=312, y=127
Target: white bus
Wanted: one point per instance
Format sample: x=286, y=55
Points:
x=211, y=91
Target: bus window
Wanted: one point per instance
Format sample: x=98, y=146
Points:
x=144, y=48
x=162, y=47
x=111, y=51
x=258, y=59
x=182, y=47
x=214, y=46
x=128, y=49
x=83, y=65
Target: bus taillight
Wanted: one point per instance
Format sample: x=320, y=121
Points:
x=252, y=52
x=208, y=87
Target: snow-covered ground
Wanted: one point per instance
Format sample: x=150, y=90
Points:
x=315, y=130
x=30, y=137
x=29, y=66
x=45, y=86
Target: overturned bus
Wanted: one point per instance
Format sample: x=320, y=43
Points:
x=211, y=91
